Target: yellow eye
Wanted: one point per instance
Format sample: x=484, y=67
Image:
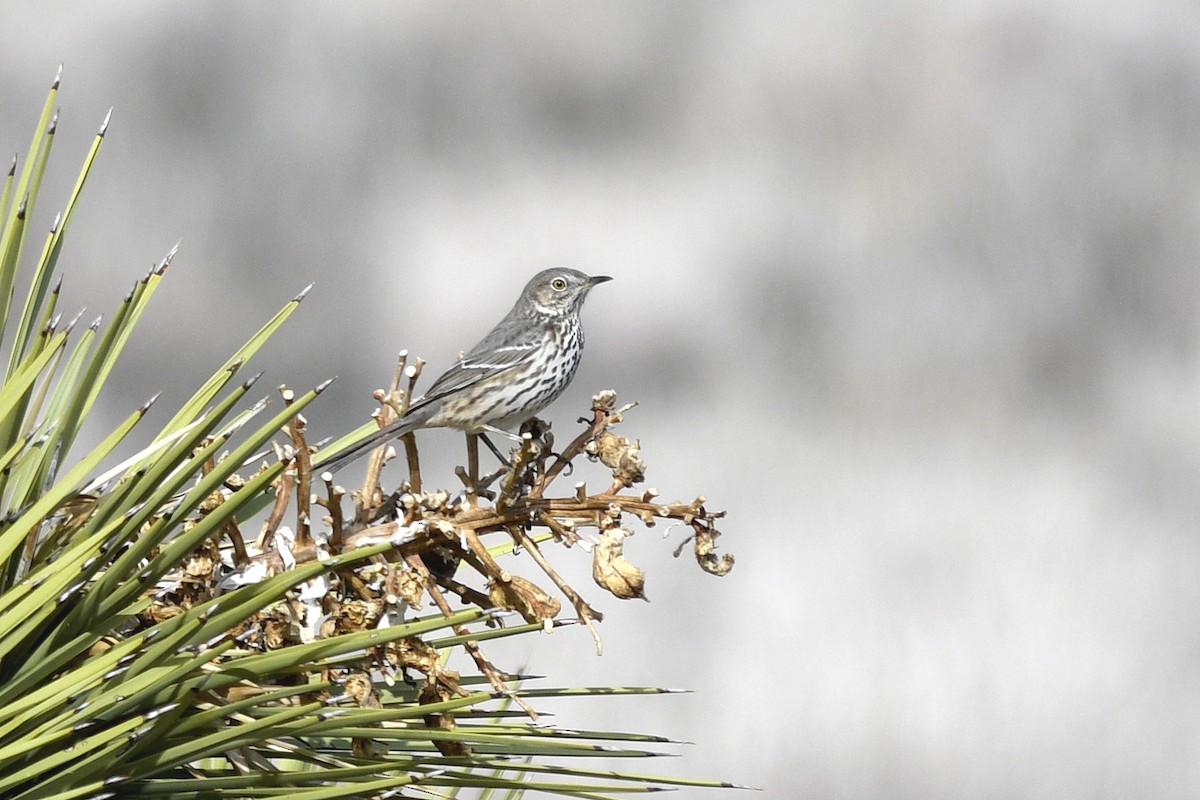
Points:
x=558, y=284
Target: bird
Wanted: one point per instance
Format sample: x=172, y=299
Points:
x=514, y=372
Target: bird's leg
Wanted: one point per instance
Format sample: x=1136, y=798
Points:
x=495, y=450
x=473, y=465
x=516, y=437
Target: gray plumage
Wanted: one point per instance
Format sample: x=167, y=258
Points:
x=518, y=369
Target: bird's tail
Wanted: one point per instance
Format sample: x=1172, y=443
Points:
x=393, y=430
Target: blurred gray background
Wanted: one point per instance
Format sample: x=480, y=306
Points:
x=908, y=288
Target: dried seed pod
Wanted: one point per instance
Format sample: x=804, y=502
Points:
x=362, y=691
x=604, y=401
x=610, y=569
x=524, y=597
x=619, y=454
x=359, y=688
x=436, y=692
x=412, y=653
x=357, y=615
x=277, y=633
x=705, y=548
x=199, y=565
x=404, y=584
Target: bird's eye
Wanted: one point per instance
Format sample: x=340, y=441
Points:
x=558, y=284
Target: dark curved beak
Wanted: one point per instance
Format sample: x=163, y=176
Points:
x=595, y=279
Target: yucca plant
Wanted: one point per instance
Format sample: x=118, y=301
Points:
x=148, y=648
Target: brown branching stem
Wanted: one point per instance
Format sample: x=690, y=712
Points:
x=414, y=462
x=484, y=520
x=583, y=611
x=494, y=676
x=441, y=537
x=333, y=504
x=560, y=531
x=389, y=409
x=230, y=529
x=600, y=420
x=283, y=496
x=302, y=464
x=234, y=534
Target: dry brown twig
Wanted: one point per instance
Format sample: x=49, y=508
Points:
x=521, y=506
x=435, y=535
x=302, y=464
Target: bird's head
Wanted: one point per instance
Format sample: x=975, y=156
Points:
x=559, y=291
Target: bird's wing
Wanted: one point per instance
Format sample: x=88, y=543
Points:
x=498, y=352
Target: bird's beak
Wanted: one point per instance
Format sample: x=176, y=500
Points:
x=594, y=279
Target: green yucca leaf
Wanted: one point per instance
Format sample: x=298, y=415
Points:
x=209, y=390
x=22, y=485
x=344, y=727
x=349, y=721
x=50, y=306
x=29, y=616
x=70, y=381
x=98, y=700
x=49, y=259
x=12, y=235
x=6, y=194
x=223, y=738
x=596, y=691
x=172, y=553
x=30, y=741
x=31, y=518
x=88, y=759
x=37, y=401
x=84, y=751
x=285, y=659
x=589, y=791
x=6, y=291
x=107, y=349
x=512, y=729
x=142, y=494
x=38, y=291
x=69, y=378
x=21, y=379
x=19, y=707
x=167, y=649
x=331, y=449
x=166, y=722
x=11, y=241
x=265, y=781
x=91, y=791
x=43, y=125
x=216, y=714
x=152, y=687
x=544, y=768
x=16, y=449
x=282, y=785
